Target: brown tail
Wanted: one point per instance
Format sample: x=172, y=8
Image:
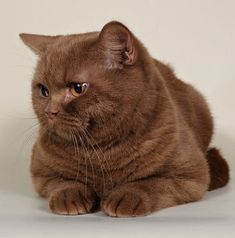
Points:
x=219, y=170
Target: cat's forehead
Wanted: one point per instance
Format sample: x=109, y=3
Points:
x=67, y=42
x=69, y=47
x=65, y=60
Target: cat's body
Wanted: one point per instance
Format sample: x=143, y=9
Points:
x=144, y=145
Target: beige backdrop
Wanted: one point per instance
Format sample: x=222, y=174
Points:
x=196, y=36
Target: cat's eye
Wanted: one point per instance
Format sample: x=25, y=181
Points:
x=43, y=90
x=78, y=88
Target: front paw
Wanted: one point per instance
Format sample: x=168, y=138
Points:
x=127, y=202
x=71, y=201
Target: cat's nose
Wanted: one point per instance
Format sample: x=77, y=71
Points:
x=51, y=114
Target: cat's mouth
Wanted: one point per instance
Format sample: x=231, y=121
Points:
x=64, y=126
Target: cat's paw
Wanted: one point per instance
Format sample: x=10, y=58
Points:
x=126, y=202
x=71, y=201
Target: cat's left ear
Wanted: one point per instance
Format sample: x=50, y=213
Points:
x=118, y=44
x=38, y=43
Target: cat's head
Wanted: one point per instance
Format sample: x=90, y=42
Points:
x=92, y=82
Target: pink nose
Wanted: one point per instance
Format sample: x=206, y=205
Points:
x=51, y=114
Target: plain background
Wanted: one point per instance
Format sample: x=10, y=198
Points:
x=197, y=37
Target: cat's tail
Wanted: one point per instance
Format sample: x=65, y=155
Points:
x=219, y=169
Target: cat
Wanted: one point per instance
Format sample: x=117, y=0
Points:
x=119, y=132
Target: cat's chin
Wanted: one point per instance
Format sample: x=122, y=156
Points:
x=60, y=129
x=52, y=131
x=65, y=133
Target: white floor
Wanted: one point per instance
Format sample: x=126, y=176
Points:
x=25, y=216
x=197, y=37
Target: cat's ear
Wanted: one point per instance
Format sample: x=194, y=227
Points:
x=118, y=44
x=37, y=43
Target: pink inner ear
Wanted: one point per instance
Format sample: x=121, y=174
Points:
x=119, y=45
x=130, y=51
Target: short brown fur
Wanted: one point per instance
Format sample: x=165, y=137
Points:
x=134, y=143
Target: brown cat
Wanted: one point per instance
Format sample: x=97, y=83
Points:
x=118, y=130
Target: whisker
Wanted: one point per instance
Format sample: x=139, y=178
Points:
x=22, y=134
x=103, y=169
x=27, y=141
x=108, y=170
x=89, y=158
x=99, y=160
x=85, y=164
x=76, y=155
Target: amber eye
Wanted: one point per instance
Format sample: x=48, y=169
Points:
x=43, y=90
x=78, y=88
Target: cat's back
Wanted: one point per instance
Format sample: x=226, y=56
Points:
x=190, y=104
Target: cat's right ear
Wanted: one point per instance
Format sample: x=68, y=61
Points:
x=37, y=43
x=118, y=44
